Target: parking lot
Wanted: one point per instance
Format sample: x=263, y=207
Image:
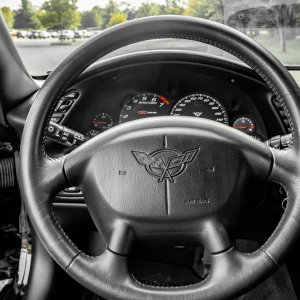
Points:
x=42, y=55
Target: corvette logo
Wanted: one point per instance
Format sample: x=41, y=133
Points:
x=165, y=163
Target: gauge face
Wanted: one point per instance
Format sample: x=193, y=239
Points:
x=92, y=133
x=201, y=106
x=244, y=124
x=144, y=106
x=103, y=121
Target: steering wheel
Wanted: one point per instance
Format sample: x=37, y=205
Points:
x=171, y=180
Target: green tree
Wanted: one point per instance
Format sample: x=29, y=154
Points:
x=60, y=14
x=150, y=9
x=282, y=16
x=116, y=18
x=92, y=18
x=128, y=10
x=26, y=17
x=8, y=15
x=88, y=19
x=208, y=9
x=173, y=7
x=108, y=11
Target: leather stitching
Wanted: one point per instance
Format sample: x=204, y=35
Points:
x=168, y=287
x=62, y=231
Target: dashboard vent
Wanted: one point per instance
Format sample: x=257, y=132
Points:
x=282, y=113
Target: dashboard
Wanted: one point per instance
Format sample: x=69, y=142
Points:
x=160, y=83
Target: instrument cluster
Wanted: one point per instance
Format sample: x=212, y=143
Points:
x=198, y=105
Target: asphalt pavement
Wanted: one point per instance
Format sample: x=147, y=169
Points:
x=40, y=56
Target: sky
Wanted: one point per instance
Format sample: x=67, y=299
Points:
x=82, y=4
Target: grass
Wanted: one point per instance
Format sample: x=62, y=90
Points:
x=296, y=75
x=291, y=57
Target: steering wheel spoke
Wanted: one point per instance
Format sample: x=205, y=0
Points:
x=120, y=238
x=215, y=237
x=54, y=178
x=285, y=170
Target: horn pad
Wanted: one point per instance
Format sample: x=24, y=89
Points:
x=167, y=175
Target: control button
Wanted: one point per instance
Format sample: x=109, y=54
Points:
x=64, y=106
x=57, y=117
x=64, y=135
x=51, y=129
x=54, y=131
x=66, y=102
x=72, y=189
x=72, y=95
x=55, y=120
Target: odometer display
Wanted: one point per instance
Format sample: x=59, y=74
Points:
x=201, y=106
x=144, y=106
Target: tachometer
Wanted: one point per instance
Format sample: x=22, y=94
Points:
x=201, y=106
x=144, y=106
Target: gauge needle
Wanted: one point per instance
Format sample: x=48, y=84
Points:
x=240, y=127
x=100, y=122
x=163, y=99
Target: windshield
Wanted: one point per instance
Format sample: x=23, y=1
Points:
x=46, y=31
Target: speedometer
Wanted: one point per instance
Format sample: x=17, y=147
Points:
x=144, y=106
x=201, y=106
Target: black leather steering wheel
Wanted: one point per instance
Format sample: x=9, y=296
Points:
x=130, y=200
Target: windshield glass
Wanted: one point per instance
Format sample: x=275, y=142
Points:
x=46, y=31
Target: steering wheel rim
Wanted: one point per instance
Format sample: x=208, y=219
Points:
x=41, y=177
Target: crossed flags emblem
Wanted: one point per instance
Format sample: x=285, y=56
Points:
x=165, y=168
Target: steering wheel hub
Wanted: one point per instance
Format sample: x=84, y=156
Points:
x=132, y=175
